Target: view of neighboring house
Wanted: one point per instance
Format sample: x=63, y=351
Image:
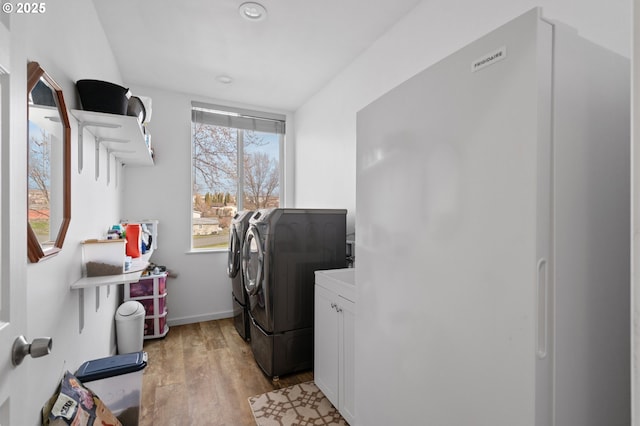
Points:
x=205, y=225
x=210, y=215
x=38, y=204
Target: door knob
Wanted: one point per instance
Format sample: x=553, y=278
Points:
x=39, y=347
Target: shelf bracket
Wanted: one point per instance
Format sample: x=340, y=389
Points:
x=108, y=166
x=81, y=126
x=114, y=152
x=81, y=310
x=119, y=172
x=80, y=143
x=100, y=140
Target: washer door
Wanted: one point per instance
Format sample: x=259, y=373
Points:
x=233, y=264
x=252, y=261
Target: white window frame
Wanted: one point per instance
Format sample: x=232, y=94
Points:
x=262, y=118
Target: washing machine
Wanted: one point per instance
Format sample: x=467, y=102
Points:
x=281, y=251
x=237, y=232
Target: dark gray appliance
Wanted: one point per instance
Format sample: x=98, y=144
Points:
x=282, y=249
x=237, y=231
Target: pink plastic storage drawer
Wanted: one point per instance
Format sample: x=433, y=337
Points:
x=149, y=305
x=149, y=326
x=144, y=287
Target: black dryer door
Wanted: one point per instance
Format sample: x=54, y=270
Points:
x=255, y=280
x=252, y=261
x=233, y=261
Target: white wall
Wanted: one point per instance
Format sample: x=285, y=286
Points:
x=202, y=290
x=325, y=125
x=69, y=43
x=635, y=218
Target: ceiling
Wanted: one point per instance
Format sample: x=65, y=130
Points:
x=276, y=63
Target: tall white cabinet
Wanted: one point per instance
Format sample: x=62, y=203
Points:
x=334, y=339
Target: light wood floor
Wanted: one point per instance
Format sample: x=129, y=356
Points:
x=202, y=374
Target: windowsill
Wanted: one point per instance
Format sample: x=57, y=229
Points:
x=207, y=251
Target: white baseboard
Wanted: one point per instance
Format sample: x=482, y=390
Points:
x=199, y=318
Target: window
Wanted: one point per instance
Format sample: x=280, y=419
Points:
x=236, y=165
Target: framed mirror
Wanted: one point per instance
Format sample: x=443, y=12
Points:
x=49, y=165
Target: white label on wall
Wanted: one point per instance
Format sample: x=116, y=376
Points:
x=489, y=59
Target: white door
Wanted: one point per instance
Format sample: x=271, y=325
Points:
x=347, y=366
x=325, y=363
x=12, y=263
x=449, y=288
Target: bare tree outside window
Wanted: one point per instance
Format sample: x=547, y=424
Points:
x=39, y=167
x=215, y=153
x=261, y=173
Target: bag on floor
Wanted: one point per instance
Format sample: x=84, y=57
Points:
x=76, y=405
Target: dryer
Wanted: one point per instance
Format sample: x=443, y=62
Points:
x=282, y=249
x=237, y=231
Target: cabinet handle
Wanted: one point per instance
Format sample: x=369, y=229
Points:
x=338, y=309
x=543, y=309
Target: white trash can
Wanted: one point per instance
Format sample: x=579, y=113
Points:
x=130, y=327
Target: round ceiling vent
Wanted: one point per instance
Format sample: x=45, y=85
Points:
x=252, y=11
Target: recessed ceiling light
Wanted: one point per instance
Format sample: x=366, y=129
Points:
x=252, y=11
x=225, y=79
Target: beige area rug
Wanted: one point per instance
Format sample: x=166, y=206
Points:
x=298, y=405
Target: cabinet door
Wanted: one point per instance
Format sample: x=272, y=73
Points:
x=325, y=363
x=347, y=362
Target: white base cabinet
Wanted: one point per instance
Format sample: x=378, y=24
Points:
x=334, y=341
